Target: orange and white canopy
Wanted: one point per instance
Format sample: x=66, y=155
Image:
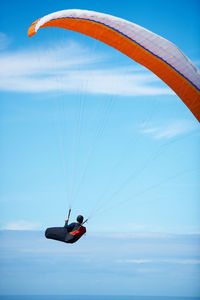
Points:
x=145, y=47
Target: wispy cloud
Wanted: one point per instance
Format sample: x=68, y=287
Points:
x=169, y=129
x=161, y=261
x=136, y=261
x=22, y=225
x=4, y=41
x=133, y=235
x=70, y=67
x=182, y=261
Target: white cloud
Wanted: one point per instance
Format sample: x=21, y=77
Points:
x=168, y=129
x=45, y=61
x=22, y=225
x=4, y=41
x=182, y=261
x=161, y=261
x=70, y=67
x=133, y=235
x=136, y=261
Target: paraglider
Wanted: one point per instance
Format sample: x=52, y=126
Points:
x=157, y=54
x=69, y=233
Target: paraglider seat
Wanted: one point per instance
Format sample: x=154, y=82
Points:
x=61, y=234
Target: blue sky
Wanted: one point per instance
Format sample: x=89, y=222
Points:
x=82, y=124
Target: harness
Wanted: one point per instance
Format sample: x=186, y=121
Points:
x=79, y=232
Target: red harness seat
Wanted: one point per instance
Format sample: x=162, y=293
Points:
x=79, y=232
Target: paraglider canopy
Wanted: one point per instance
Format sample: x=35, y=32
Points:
x=145, y=47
